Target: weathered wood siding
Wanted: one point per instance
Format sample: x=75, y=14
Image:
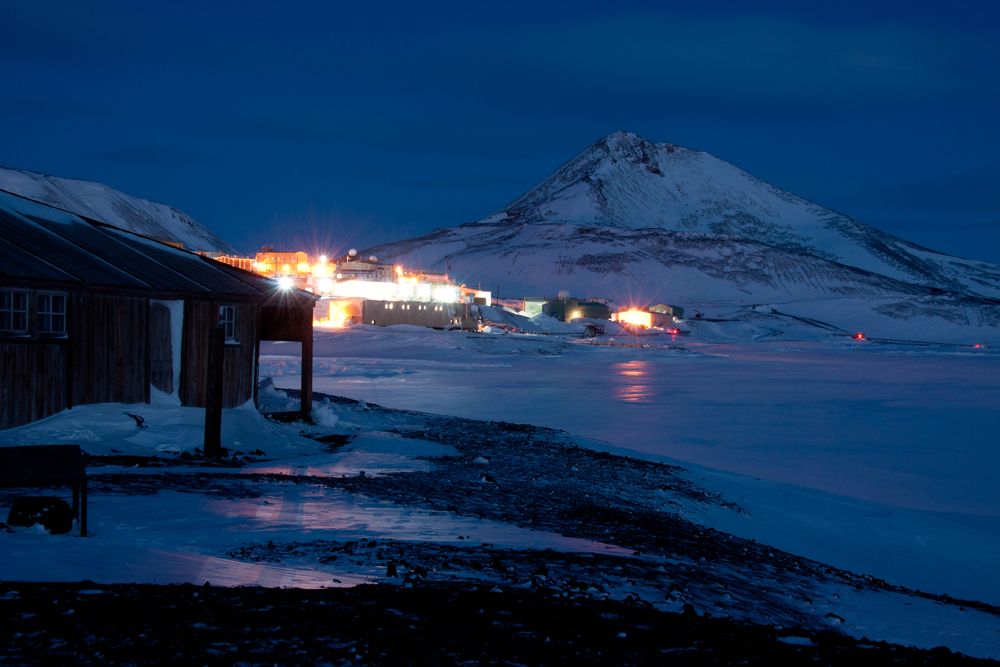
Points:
x=200, y=319
x=284, y=322
x=34, y=381
x=116, y=346
x=102, y=359
x=161, y=362
x=107, y=348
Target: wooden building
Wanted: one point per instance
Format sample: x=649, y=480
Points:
x=90, y=314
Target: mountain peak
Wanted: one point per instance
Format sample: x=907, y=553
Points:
x=621, y=180
x=629, y=145
x=624, y=138
x=624, y=183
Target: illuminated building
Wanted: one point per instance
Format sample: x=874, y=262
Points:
x=660, y=315
x=355, y=289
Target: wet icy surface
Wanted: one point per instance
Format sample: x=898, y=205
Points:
x=906, y=426
x=171, y=537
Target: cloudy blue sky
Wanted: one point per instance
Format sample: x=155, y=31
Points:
x=348, y=124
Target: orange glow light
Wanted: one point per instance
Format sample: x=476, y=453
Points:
x=337, y=320
x=636, y=317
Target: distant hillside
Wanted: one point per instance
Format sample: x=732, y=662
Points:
x=631, y=220
x=105, y=204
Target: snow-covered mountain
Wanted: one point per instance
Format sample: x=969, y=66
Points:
x=100, y=202
x=631, y=220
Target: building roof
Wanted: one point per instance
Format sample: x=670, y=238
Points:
x=45, y=244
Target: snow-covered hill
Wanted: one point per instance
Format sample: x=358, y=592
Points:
x=631, y=220
x=100, y=202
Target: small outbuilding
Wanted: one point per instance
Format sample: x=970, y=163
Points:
x=665, y=309
x=568, y=308
x=90, y=313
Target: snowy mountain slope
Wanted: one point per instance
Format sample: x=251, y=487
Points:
x=100, y=202
x=626, y=181
x=705, y=271
x=634, y=221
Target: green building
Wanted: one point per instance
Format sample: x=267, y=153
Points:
x=567, y=309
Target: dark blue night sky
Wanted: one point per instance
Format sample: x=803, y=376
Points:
x=350, y=124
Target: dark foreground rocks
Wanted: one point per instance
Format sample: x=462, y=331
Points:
x=431, y=624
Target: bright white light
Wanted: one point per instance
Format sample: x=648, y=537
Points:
x=446, y=294
x=390, y=291
x=286, y=282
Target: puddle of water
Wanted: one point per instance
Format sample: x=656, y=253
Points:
x=321, y=510
x=178, y=567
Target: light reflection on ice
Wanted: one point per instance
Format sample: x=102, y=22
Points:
x=369, y=454
x=319, y=510
x=632, y=381
x=369, y=464
x=178, y=567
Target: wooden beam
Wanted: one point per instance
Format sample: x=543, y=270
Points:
x=256, y=369
x=213, y=393
x=148, y=361
x=307, y=366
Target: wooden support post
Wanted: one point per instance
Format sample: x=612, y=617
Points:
x=148, y=357
x=83, y=508
x=307, y=368
x=213, y=393
x=256, y=372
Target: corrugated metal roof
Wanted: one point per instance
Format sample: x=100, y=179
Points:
x=43, y=243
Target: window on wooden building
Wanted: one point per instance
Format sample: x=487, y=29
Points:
x=13, y=311
x=227, y=320
x=51, y=308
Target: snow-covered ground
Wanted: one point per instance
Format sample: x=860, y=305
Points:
x=876, y=459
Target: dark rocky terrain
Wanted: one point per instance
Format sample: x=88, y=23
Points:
x=430, y=624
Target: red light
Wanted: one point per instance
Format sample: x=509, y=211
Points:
x=979, y=346
x=673, y=331
x=860, y=335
